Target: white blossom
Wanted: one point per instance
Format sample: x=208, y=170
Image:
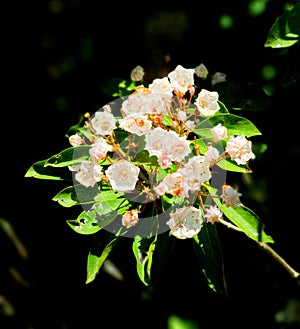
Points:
x=122, y=175
x=89, y=173
x=161, y=86
x=99, y=149
x=201, y=71
x=181, y=80
x=137, y=73
x=217, y=78
x=212, y=214
x=76, y=140
x=219, y=132
x=185, y=222
x=230, y=196
x=130, y=218
x=239, y=149
x=207, y=102
x=137, y=124
x=103, y=123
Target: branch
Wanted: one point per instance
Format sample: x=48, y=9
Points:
x=294, y=274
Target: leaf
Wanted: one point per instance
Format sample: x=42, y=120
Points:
x=236, y=125
x=209, y=256
x=143, y=256
x=245, y=219
x=99, y=253
x=230, y=165
x=285, y=31
x=39, y=171
x=69, y=156
x=85, y=223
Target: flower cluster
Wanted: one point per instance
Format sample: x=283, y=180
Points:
x=154, y=144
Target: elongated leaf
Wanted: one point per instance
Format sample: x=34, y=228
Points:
x=229, y=165
x=143, y=249
x=85, y=223
x=69, y=156
x=236, y=125
x=39, y=171
x=99, y=253
x=209, y=256
x=245, y=219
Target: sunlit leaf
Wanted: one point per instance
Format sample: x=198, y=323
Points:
x=85, y=223
x=38, y=170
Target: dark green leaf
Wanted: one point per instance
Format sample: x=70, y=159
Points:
x=209, y=255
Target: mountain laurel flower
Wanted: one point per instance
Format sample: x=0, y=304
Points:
x=201, y=71
x=181, y=79
x=230, y=196
x=76, y=140
x=130, y=218
x=122, y=175
x=161, y=86
x=239, y=149
x=219, y=132
x=185, y=222
x=89, y=173
x=212, y=214
x=207, y=102
x=172, y=184
x=189, y=125
x=137, y=124
x=157, y=141
x=99, y=150
x=212, y=154
x=217, y=78
x=103, y=123
x=179, y=146
x=137, y=74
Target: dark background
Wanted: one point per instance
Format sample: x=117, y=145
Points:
x=58, y=55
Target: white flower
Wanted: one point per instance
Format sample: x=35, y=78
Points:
x=212, y=214
x=239, y=149
x=189, y=125
x=201, y=71
x=218, y=77
x=161, y=86
x=157, y=141
x=230, y=196
x=219, y=132
x=195, y=172
x=172, y=184
x=99, y=149
x=89, y=173
x=212, y=154
x=76, y=140
x=207, y=102
x=179, y=146
x=130, y=218
x=122, y=175
x=146, y=104
x=137, y=73
x=137, y=124
x=103, y=123
x=185, y=222
x=181, y=80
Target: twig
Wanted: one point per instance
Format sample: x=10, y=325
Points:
x=294, y=274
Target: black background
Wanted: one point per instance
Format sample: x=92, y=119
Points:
x=58, y=59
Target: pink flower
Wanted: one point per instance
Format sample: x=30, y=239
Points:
x=130, y=218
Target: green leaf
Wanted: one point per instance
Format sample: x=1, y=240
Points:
x=209, y=256
x=99, y=253
x=85, y=223
x=69, y=156
x=230, y=165
x=285, y=31
x=39, y=171
x=236, y=125
x=66, y=197
x=143, y=256
x=246, y=220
